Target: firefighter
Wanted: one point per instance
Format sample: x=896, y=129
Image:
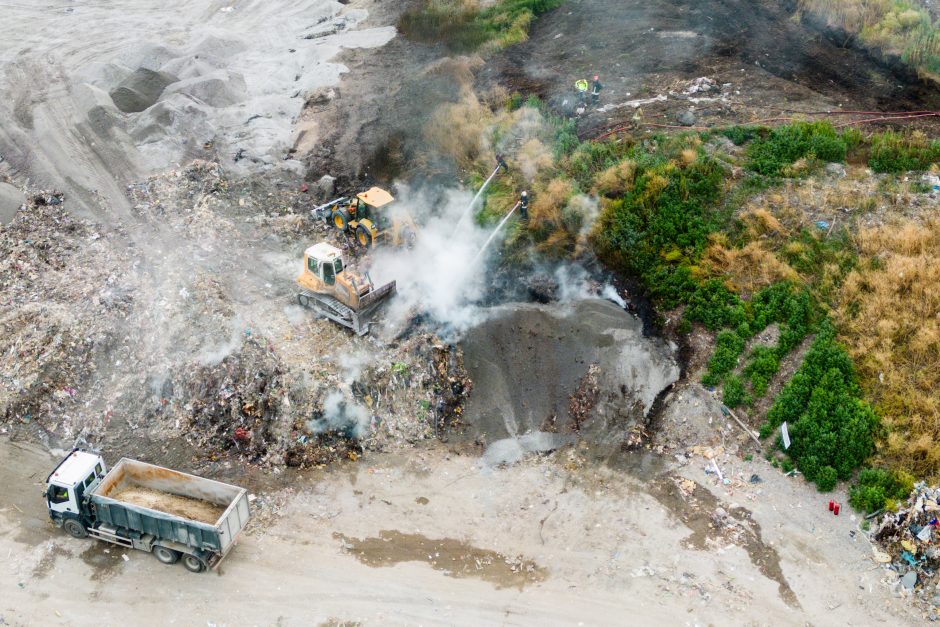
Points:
x=581, y=86
x=596, y=88
x=524, y=205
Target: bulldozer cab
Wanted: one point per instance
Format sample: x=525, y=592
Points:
x=324, y=262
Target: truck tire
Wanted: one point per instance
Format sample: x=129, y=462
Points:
x=193, y=564
x=364, y=236
x=75, y=529
x=341, y=219
x=165, y=555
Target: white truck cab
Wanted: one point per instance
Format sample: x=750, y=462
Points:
x=77, y=475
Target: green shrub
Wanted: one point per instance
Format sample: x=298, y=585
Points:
x=728, y=347
x=740, y=135
x=781, y=147
x=714, y=305
x=761, y=368
x=829, y=423
x=876, y=486
x=734, y=393
x=897, y=152
x=826, y=479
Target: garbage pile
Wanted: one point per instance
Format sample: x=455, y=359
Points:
x=910, y=539
x=233, y=405
x=55, y=274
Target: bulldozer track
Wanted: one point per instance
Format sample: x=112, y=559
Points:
x=334, y=310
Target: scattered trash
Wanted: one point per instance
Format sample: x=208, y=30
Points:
x=756, y=479
x=822, y=225
x=906, y=542
x=126, y=558
x=785, y=435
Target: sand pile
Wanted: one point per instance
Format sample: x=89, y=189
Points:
x=183, y=506
x=140, y=90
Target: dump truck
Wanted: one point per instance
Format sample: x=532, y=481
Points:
x=336, y=291
x=138, y=505
x=370, y=217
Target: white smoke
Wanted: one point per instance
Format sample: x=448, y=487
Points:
x=575, y=283
x=213, y=355
x=341, y=416
x=352, y=365
x=610, y=293
x=438, y=276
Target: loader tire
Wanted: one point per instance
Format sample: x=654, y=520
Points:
x=193, y=564
x=75, y=529
x=341, y=219
x=165, y=555
x=364, y=237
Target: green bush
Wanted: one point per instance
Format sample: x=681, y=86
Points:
x=781, y=147
x=728, y=347
x=740, y=135
x=826, y=479
x=734, y=393
x=897, y=152
x=876, y=486
x=715, y=306
x=761, y=368
x=829, y=423
x=668, y=210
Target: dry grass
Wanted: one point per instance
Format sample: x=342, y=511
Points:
x=545, y=212
x=457, y=130
x=889, y=318
x=615, y=180
x=747, y=269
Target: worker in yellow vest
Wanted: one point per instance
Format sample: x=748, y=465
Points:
x=581, y=86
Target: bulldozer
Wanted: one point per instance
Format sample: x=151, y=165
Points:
x=370, y=218
x=337, y=292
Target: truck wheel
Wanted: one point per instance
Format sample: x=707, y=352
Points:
x=75, y=529
x=165, y=555
x=193, y=564
x=340, y=219
x=364, y=237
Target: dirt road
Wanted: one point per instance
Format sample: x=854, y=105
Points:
x=433, y=539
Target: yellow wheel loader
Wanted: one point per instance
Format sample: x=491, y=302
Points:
x=337, y=292
x=371, y=217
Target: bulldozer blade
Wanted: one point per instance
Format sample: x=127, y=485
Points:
x=376, y=296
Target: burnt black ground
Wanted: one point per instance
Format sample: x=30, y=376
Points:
x=642, y=47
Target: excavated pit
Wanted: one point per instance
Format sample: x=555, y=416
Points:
x=545, y=375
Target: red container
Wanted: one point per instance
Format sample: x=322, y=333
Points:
x=831, y=505
x=836, y=509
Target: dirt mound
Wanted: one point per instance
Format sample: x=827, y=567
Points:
x=10, y=201
x=584, y=367
x=140, y=90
